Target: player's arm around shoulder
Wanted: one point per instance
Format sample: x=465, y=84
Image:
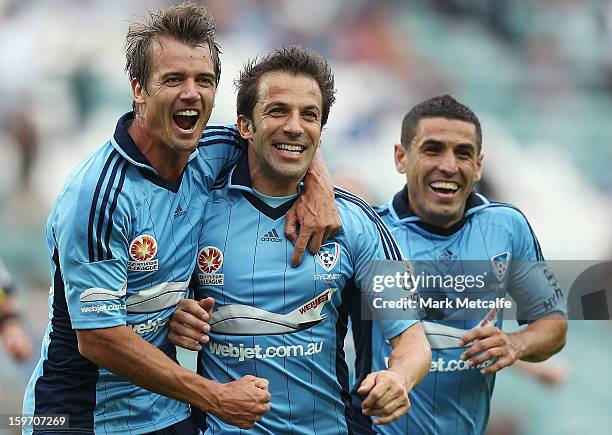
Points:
x=387, y=390
x=314, y=217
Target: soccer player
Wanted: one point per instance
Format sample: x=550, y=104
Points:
x=123, y=241
x=438, y=217
x=285, y=324
x=13, y=336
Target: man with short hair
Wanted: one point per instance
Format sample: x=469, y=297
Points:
x=438, y=218
x=287, y=324
x=122, y=238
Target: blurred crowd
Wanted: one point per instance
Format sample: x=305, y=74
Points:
x=538, y=73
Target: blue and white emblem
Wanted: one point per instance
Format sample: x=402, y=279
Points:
x=500, y=263
x=328, y=256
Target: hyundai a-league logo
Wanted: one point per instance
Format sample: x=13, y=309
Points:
x=500, y=264
x=143, y=250
x=210, y=260
x=328, y=256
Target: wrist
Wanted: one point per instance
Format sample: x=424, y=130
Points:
x=518, y=344
x=209, y=393
x=312, y=177
x=404, y=376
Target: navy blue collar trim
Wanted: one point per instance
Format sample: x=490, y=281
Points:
x=127, y=144
x=402, y=209
x=242, y=177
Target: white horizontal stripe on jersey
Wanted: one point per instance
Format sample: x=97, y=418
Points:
x=157, y=298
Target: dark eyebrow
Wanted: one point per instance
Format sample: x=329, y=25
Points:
x=313, y=107
x=207, y=75
x=466, y=147
x=432, y=142
x=271, y=104
x=171, y=73
x=180, y=74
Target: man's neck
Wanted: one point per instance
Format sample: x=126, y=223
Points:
x=443, y=222
x=168, y=163
x=267, y=186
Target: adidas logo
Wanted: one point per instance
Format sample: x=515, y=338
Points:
x=272, y=236
x=179, y=211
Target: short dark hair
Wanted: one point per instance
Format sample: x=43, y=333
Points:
x=187, y=23
x=294, y=60
x=443, y=106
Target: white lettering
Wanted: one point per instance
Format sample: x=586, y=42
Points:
x=150, y=326
x=412, y=282
x=102, y=308
x=400, y=304
x=498, y=303
x=144, y=266
x=242, y=352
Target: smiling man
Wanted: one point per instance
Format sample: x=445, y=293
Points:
x=438, y=218
x=122, y=240
x=287, y=324
x=441, y=168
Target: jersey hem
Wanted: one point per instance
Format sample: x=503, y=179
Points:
x=151, y=427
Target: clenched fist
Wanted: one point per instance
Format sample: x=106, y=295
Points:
x=243, y=402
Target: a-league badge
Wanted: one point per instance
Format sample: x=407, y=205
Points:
x=500, y=263
x=328, y=256
x=143, y=250
x=210, y=260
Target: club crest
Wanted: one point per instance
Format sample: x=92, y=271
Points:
x=328, y=256
x=500, y=264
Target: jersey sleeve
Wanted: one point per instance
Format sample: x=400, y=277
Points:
x=374, y=252
x=90, y=233
x=221, y=147
x=533, y=285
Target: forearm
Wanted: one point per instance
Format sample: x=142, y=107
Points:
x=318, y=173
x=411, y=356
x=541, y=339
x=314, y=217
x=129, y=356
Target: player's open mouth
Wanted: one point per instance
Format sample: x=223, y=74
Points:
x=444, y=187
x=292, y=150
x=186, y=120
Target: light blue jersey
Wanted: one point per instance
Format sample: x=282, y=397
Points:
x=123, y=244
x=454, y=398
x=281, y=323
